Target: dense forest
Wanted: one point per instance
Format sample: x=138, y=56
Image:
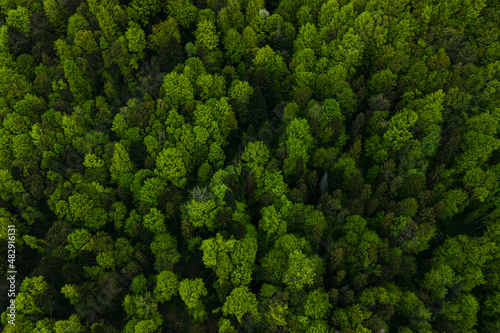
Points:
x=321, y=166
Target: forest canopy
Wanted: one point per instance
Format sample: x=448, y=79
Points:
x=324, y=166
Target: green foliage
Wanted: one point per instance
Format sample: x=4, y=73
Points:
x=461, y=312
x=339, y=157
x=477, y=148
x=302, y=270
x=299, y=142
x=120, y=163
x=465, y=256
x=398, y=134
x=240, y=302
x=231, y=260
x=360, y=242
x=382, y=81
x=353, y=317
x=183, y=11
x=76, y=23
x=71, y=325
x=211, y=86
x=169, y=165
x=142, y=307
x=201, y=213
x=164, y=34
x=136, y=39
x=177, y=89
x=191, y=292
x=77, y=240
x=29, y=300
x=225, y=326
x=9, y=187
x=141, y=10
x=54, y=11
x=164, y=248
x=453, y=202
x=307, y=38
x=317, y=304
x=19, y=19
x=155, y=221
x=272, y=223
x=206, y=35
x=151, y=325
x=217, y=117
x=256, y=156
x=139, y=284
x=78, y=84
x=232, y=42
x=167, y=286
x=429, y=109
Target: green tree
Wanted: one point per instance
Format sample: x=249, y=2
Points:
x=121, y=166
x=201, y=213
x=353, y=317
x=454, y=201
x=14, y=86
x=211, y=86
x=123, y=252
x=164, y=248
x=183, y=11
x=361, y=244
x=79, y=85
x=164, y=34
x=253, y=8
x=191, y=292
x=462, y=311
x=466, y=257
x=136, y=39
x=231, y=260
x=143, y=10
x=31, y=295
x=317, y=304
x=76, y=22
x=231, y=17
x=349, y=50
x=154, y=221
x=143, y=307
x=9, y=188
x=217, y=117
x=240, y=302
x=71, y=325
x=234, y=46
x=302, y=270
x=429, y=109
x=308, y=37
x=165, y=39
x=272, y=223
x=477, y=149
x=105, y=260
x=398, y=133
x=382, y=82
x=147, y=326
x=206, y=35
x=256, y=156
x=177, y=89
x=20, y=19
x=55, y=12
x=169, y=165
x=299, y=142
x=167, y=286
x=151, y=190
x=225, y=326
x=249, y=38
